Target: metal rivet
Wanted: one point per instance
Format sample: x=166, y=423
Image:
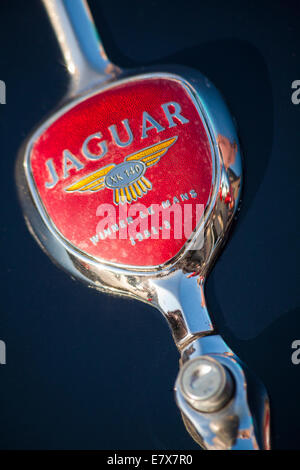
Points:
x=206, y=384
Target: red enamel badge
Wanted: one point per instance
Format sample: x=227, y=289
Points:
x=112, y=175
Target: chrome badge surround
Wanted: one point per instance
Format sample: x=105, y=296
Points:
x=212, y=130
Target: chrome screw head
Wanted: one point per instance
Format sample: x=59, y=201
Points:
x=206, y=384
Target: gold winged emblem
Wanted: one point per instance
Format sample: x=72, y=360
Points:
x=126, y=179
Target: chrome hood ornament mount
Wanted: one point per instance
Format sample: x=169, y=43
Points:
x=131, y=186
